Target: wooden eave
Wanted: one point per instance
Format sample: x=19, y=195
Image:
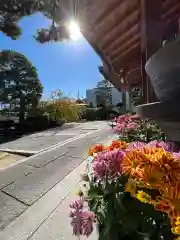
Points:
x=113, y=28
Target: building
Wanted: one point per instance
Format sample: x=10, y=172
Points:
x=91, y=96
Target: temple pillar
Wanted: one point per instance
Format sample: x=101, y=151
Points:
x=151, y=41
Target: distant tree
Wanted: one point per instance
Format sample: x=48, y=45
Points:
x=11, y=11
x=104, y=93
x=19, y=82
x=56, y=95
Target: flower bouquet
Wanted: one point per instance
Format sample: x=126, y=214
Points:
x=131, y=188
x=131, y=128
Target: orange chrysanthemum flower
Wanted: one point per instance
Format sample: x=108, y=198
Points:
x=152, y=176
x=90, y=153
x=169, y=166
x=151, y=150
x=110, y=148
x=172, y=193
x=170, y=201
x=133, y=162
x=163, y=206
x=119, y=144
x=97, y=148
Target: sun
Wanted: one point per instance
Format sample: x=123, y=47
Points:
x=74, y=30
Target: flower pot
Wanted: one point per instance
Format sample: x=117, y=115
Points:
x=166, y=114
x=163, y=68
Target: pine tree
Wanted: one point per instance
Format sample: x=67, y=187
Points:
x=19, y=82
x=104, y=93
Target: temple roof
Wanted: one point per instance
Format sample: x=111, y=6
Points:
x=114, y=30
x=115, y=27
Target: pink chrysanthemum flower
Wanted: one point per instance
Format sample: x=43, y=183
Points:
x=134, y=117
x=135, y=145
x=176, y=155
x=77, y=204
x=131, y=126
x=159, y=144
x=88, y=218
x=119, y=128
x=82, y=221
x=108, y=164
x=125, y=123
x=121, y=119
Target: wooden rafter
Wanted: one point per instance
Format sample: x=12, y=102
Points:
x=123, y=9
x=106, y=13
x=125, y=46
x=125, y=37
x=168, y=4
x=173, y=11
x=120, y=28
x=127, y=52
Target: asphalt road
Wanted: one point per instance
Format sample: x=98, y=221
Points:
x=25, y=183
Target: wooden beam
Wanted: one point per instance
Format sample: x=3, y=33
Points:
x=125, y=37
x=113, y=6
x=124, y=47
x=119, y=28
x=124, y=62
x=173, y=10
x=129, y=53
x=123, y=10
x=166, y=5
x=151, y=41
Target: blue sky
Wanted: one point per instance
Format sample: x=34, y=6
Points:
x=68, y=66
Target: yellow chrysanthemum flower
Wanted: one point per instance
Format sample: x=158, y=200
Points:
x=176, y=230
x=178, y=221
x=131, y=187
x=143, y=197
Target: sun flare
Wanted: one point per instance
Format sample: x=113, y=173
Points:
x=74, y=30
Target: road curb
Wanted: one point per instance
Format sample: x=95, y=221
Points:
x=50, y=148
x=19, y=152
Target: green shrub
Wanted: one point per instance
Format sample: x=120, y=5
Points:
x=36, y=123
x=102, y=113
x=90, y=114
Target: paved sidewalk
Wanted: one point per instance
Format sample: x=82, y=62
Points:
x=38, y=141
x=24, y=184
x=47, y=218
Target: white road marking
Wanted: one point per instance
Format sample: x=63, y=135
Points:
x=51, y=148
